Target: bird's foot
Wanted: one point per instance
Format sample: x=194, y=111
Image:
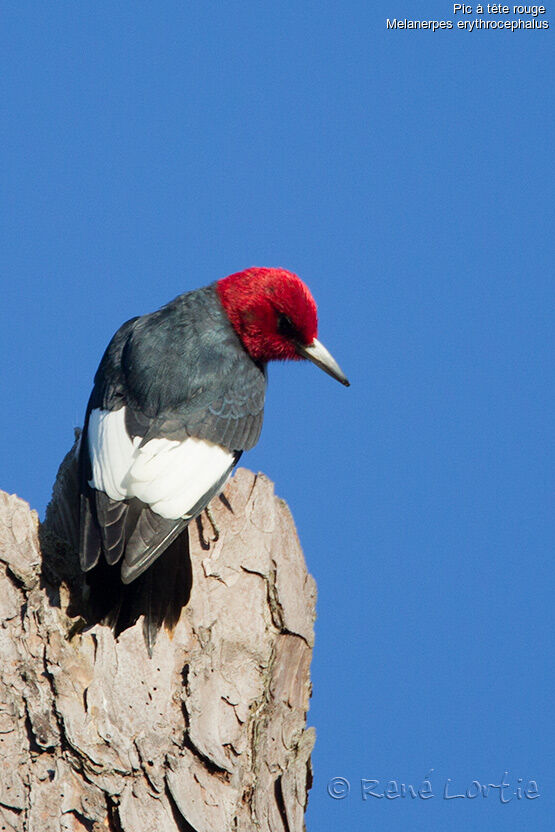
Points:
x=215, y=528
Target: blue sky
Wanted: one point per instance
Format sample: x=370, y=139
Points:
x=408, y=178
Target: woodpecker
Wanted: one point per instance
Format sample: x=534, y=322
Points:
x=178, y=396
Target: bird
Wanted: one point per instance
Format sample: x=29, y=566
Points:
x=177, y=398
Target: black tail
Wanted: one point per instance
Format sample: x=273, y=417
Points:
x=159, y=594
x=99, y=595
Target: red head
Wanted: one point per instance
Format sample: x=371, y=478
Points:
x=275, y=316
x=271, y=310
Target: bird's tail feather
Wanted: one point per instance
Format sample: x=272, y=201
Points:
x=159, y=594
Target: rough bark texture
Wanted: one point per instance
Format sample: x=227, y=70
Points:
x=210, y=734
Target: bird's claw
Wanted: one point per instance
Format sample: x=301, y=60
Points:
x=215, y=528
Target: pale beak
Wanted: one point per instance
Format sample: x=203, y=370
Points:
x=318, y=354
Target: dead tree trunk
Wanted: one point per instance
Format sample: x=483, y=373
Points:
x=207, y=736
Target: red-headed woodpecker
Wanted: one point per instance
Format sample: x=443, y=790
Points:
x=178, y=396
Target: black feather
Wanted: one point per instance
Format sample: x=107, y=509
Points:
x=150, y=538
x=112, y=516
x=90, y=543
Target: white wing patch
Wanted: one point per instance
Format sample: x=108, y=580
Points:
x=170, y=476
x=111, y=451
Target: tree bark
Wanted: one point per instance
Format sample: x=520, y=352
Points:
x=209, y=734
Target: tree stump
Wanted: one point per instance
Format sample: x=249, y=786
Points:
x=209, y=734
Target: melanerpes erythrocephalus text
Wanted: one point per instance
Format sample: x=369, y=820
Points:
x=178, y=396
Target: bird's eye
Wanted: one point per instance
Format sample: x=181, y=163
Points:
x=286, y=327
